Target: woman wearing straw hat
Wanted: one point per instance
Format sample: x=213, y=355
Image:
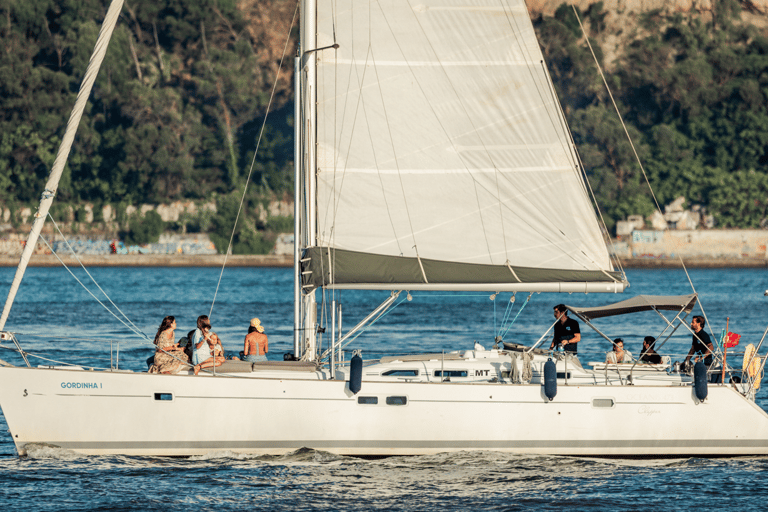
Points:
x=256, y=343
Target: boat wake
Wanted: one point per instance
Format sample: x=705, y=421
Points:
x=300, y=456
x=46, y=451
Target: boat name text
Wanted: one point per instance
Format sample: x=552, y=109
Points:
x=647, y=410
x=80, y=385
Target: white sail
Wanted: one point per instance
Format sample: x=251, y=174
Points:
x=439, y=138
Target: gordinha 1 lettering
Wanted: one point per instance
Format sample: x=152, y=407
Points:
x=80, y=385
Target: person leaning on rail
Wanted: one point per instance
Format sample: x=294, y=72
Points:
x=701, y=343
x=567, y=332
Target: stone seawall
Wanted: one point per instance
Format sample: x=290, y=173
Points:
x=696, y=248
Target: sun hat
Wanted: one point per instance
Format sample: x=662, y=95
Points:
x=256, y=324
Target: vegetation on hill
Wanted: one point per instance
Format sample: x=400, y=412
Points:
x=692, y=91
x=176, y=109
x=180, y=100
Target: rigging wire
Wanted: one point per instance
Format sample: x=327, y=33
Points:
x=634, y=151
x=440, y=123
x=366, y=327
x=704, y=314
x=509, y=326
x=613, y=101
x=135, y=328
x=253, y=160
x=570, y=152
x=394, y=154
x=55, y=361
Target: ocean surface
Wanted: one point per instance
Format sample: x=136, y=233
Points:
x=57, y=320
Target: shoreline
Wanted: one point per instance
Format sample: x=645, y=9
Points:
x=270, y=260
x=154, y=260
x=694, y=262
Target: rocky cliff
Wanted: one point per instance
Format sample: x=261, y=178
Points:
x=634, y=6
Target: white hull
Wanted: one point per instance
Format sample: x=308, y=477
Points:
x=118, y=413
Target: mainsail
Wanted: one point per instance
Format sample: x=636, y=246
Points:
x=443, y=160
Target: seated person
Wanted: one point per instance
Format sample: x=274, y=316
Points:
x=618, y=354
x=186, y=344
x=206, y=346
x=169, y=356
x=648, y=354
x=256, y=343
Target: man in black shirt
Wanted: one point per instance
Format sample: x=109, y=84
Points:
x=701, y=344
x=567, y=331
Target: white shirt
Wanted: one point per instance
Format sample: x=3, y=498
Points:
x=610, y=357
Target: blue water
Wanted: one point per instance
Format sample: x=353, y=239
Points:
x=60, y=321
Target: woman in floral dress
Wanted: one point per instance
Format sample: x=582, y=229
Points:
x=169, y=357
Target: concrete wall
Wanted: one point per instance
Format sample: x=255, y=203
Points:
x=699, y=244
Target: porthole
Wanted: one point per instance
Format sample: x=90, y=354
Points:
x=397, y=400
x=603, y=403
x=368, y=400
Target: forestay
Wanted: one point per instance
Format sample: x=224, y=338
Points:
x=442, y=155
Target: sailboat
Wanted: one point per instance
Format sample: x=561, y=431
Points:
x=431, y=154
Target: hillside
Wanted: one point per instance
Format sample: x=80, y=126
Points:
x=690, y=81
x=177, y=109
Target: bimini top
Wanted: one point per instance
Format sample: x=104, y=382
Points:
x=637, y=304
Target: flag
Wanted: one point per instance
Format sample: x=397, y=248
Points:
x=732, y=339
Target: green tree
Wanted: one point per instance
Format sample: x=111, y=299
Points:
x=146, y=229
x=740, y=199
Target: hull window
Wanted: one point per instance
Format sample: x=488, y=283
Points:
x=401, y=373
x=163, y=396
x=397, y=400
x=606, y=403
x=368, y=400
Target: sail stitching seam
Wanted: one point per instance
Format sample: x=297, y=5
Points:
x=566, y=150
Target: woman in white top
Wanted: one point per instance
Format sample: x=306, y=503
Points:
x=618, y=354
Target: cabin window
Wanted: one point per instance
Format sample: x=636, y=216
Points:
x=563, y=375
x=401, y=373
x=606, y=403
x=397, y=400
x=450, y=373
x=163, y=396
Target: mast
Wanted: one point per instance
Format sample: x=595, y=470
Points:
x=52, y=184
x=305, y=232
x=297, y=208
